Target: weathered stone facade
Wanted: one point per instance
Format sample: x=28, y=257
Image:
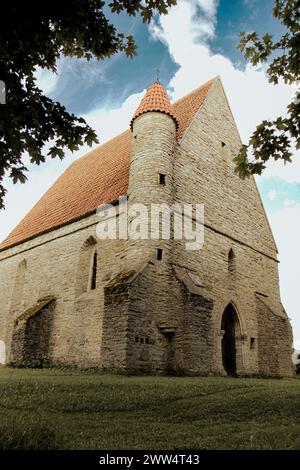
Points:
x=212, y=311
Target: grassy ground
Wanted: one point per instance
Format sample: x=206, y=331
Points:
x=80, y=410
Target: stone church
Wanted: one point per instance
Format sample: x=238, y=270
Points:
x=149, y=305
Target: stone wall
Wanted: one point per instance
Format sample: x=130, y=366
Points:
x=150, y=313
x=234, y=220
x=204, y=172
x=51, y=265
x=32, y=339
x=194, y=339
x=274, y=341
x=115, y=323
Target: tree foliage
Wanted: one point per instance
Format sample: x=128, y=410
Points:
x=274, y=139
x=35, y=34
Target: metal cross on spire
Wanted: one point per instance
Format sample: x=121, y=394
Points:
x=158, y=72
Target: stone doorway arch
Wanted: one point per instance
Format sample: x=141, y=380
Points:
x=231, y=341
x=2, y=352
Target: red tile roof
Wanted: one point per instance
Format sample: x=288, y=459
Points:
x=155, y=99
x=97, y=178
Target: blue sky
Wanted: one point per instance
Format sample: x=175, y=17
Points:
x=108, y=83
x=194, y=43
x=82, y=87
x=278, y=193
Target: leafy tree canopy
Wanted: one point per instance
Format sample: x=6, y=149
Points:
x=35, y=34
x=274, y=139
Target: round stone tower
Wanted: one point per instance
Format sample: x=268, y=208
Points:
x=150, y=193
x=154, y=127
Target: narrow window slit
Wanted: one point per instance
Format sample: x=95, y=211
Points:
x=94, y=273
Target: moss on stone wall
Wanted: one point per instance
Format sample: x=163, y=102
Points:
x=116, y=289
x=36, y=308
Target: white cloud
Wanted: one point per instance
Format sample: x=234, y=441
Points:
x=46, y=80
x=22, y=197
x=290, y=172
x=209, y=7
x=286, y=228
x=272, y=194
x=289, y=202
x=110, y=122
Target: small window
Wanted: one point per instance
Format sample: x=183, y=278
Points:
x=252, y=343
x=136, y=339
x=162, y=179
x=147, y=340
x=159, y=254
x=94, y=273
x=142, y=340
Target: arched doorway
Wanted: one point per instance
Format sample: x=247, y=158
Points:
x=231, y=333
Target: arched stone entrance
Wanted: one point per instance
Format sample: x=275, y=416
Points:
x=231, y=341
x=2, y=352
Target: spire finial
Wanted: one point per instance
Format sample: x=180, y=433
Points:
x=157, y=78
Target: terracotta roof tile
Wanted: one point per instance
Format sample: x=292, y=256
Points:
x=97, y=178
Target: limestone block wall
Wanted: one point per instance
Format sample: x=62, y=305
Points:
x=234, y=219
x=32, y=340
x=8, y=278
x=252, y=273
x=115, y=323
x=274, y=342
x=204, y=173
x=170, y=330
x=194, y=340
x=154, y=139
x=51, y=265
x=151, y=295
x=150, y=319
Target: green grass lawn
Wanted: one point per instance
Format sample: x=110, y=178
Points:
x=82, y=410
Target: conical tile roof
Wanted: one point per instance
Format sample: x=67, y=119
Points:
x=155, y=99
